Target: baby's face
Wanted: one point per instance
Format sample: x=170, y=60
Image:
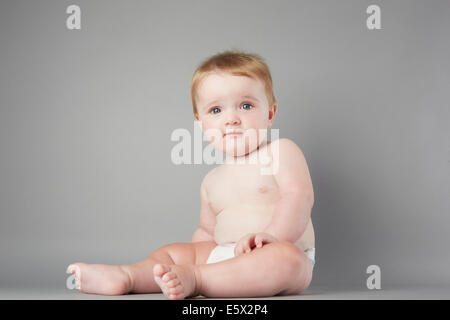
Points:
x=234, y=103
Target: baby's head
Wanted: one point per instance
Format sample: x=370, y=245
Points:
x=232, y=91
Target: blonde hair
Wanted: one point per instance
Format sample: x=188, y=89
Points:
x=237, y=63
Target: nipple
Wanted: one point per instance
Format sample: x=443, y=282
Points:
x=263, y=189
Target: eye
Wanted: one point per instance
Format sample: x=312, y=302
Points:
x=247, y=106
x=214, y=110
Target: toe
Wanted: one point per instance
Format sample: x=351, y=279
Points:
x=176, y=290
x=73, y=268
x=173, y=283
x=176, y=296
x=160, y=269
x=169, y=276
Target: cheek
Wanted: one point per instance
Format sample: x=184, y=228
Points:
x=211, y=133
x=256, y=121
x=213, y=137
x=257, y=127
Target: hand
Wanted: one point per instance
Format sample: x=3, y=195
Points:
x=251, y=241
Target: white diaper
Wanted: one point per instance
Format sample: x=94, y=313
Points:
x=225, y=251
x=221, y=252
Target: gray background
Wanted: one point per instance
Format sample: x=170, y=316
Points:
x=86, y=118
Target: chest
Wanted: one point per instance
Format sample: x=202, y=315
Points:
x=233, y=185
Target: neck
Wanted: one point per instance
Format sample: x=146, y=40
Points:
x=231, y=159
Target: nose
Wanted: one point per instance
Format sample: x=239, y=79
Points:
x=232, y=119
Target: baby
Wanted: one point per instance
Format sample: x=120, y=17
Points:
x=255, y=237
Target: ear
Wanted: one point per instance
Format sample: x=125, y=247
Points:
x=272, y=112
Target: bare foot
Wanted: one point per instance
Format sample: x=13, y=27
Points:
x=177, y=281
x=100, y=278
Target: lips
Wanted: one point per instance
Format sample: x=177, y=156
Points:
x=233, y=133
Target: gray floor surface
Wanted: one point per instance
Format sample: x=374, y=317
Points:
x=413, y=292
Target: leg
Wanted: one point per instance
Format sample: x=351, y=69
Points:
x=138, y=277
x=278, y=268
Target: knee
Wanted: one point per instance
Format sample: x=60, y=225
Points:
x=170, y=247
x=289, y=255
x=294, y=267
x=165, y=253
x=175, y=253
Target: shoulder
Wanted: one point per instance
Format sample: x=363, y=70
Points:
x=289, y=157
x=293, y=172
x=286, y=147
x=284, y=142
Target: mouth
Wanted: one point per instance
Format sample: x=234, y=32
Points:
x=232, y=133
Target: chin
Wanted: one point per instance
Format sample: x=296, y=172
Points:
x=238, y=149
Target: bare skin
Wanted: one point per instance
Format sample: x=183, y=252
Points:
x=267, y=216
x=243, y=276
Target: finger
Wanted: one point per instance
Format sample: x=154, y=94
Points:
x=260, y=240
x=249, y=244
x=259, y=243
x=237, y=250
x=245, y=247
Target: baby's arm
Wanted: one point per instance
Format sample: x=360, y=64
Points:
x=293, y=210
x=205, y=230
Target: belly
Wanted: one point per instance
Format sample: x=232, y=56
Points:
x=233, y=223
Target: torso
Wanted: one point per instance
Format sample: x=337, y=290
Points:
x=244, y=200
